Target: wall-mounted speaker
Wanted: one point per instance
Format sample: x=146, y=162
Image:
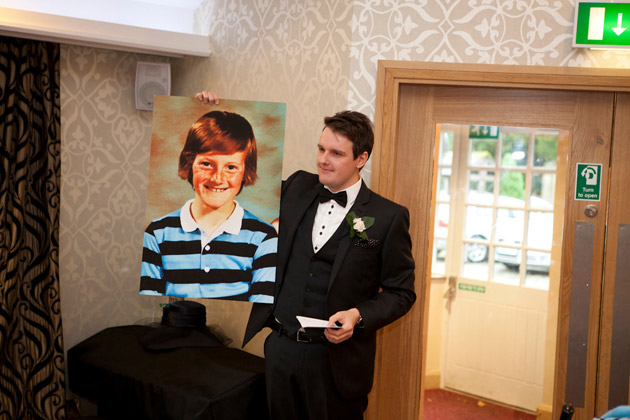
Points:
x=151, y=79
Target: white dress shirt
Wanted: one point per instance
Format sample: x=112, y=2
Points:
x=330, y=215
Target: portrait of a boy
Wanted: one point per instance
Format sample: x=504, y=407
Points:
x=212, y=246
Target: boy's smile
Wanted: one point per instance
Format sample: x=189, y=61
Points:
x=217, y=179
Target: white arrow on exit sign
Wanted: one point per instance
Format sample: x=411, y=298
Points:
x=619, y=30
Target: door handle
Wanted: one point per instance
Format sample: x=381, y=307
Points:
x=452, y=287
x=590, y=210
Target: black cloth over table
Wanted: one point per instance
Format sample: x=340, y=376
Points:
x=112, y=369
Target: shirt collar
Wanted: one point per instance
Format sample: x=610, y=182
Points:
x=352, y=192
x=232, y=225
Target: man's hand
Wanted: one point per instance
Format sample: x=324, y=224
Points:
x=348, y=319
x=208, y=97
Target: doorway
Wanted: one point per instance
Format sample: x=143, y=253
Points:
x=412, y=99
x=496, y=210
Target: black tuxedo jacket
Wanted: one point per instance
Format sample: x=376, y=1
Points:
x=374, y=276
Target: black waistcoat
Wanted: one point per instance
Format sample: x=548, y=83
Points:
x=307, y=275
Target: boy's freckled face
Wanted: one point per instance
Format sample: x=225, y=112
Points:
x=217, y=178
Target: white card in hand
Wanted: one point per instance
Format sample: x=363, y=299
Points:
x=307, y=322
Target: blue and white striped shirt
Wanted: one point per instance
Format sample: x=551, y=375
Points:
x=237, y=263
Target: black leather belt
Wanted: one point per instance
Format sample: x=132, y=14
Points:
x=300, y=336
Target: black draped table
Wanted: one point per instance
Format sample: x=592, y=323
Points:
x=113, y=370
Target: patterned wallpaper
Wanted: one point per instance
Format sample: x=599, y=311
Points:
x=104, y=167
x=317, y=56
x=522, y=32
x=277, y=50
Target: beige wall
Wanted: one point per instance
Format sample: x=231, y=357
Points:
x=293, y=52
x=318, y=57
x=104, y=167
x=535, y=33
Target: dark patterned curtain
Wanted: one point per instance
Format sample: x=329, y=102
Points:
x=31, y=347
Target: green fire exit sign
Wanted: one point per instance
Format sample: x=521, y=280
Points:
x=483, y=132
x=604, y=24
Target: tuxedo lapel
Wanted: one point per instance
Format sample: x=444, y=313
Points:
x=359, y=208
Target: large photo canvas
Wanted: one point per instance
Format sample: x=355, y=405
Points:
x=213, y=199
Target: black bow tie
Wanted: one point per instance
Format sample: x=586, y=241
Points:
x=326, y=195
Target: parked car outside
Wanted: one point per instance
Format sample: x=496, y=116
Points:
x=508, y=230
x=539, y=235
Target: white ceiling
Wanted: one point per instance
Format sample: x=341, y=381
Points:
x=164, y=27
x=169, y=15
x=187, y=4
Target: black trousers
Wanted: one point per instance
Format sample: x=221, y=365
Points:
x=300, y=385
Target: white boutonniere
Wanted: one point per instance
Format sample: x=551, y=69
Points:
x=358, y=225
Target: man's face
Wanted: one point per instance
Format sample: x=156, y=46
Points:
x=217, y=178
x=336, y=166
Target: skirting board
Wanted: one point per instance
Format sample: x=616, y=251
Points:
x=543, y=412
x=432, y=380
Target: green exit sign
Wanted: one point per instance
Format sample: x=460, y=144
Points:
x=472, y=288
x=604, y=24
x=483, y=132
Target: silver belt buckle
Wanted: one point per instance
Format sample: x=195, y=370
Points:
x=301, y=336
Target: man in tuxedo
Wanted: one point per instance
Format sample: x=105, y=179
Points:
x=344, y=255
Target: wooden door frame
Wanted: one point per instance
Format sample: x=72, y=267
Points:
x=618, y=214
x=401, y=348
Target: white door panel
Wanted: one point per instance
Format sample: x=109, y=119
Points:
x=496, y=344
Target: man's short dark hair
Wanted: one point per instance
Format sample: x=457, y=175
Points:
x=356, y=126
